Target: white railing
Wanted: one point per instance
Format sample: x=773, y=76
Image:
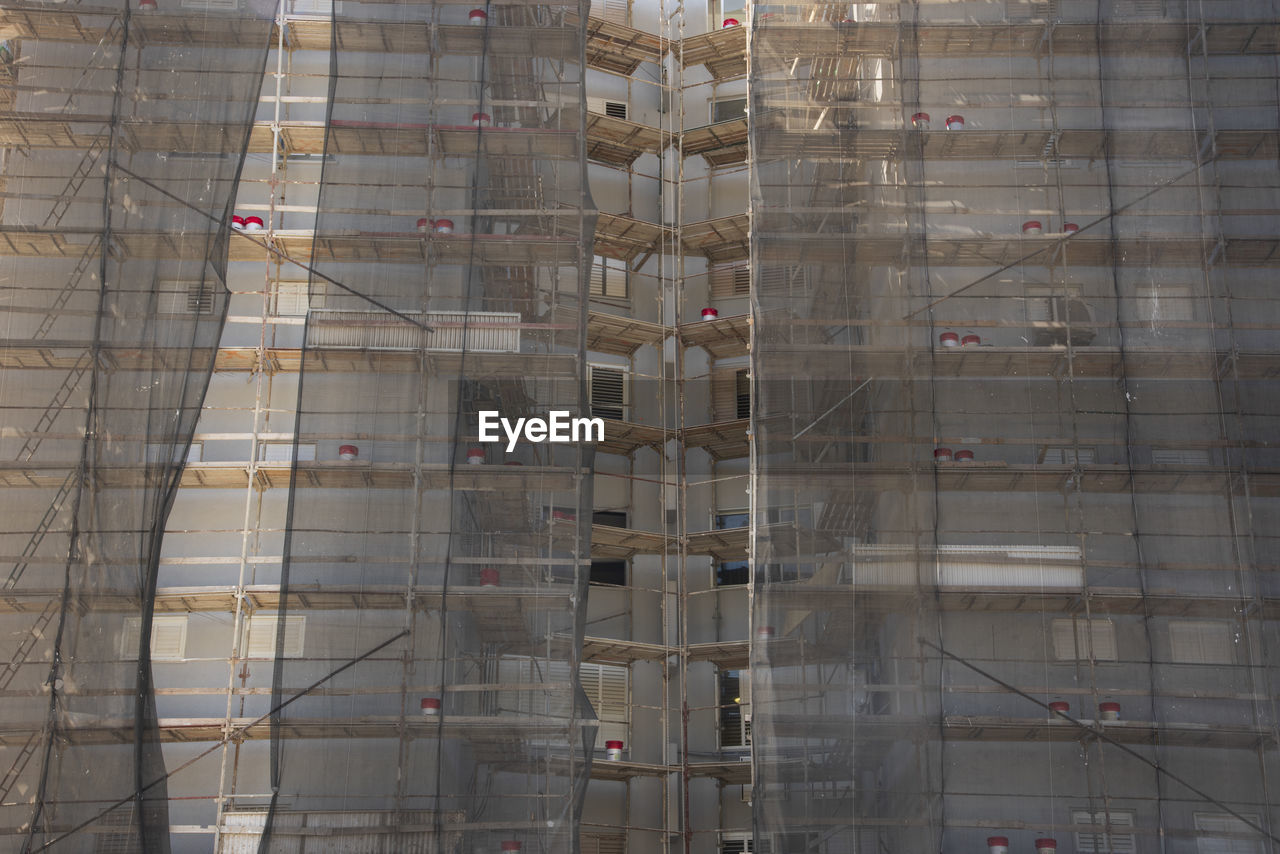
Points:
x=450, y=331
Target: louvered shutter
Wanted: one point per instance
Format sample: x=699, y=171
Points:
x=1072, y=640
x=608, y=278
x=1100, y=842
x=1200, y=642
x=1068, y=456
x=1179, y=457
x=729, y=281
x=606, y=686
x=168, y=637
x=608, y=392
x=603, y=843
x=742, y=394
x=724, y=393
x=186, y=297
x=261, y=642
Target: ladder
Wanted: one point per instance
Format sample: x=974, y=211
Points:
x=20, y=762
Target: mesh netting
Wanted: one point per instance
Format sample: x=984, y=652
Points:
x=125, y=134
x=1002, y=367
x=439, y=582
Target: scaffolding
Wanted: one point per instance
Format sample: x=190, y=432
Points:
x=932, y=345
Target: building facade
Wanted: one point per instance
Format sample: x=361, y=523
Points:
x=936, y=349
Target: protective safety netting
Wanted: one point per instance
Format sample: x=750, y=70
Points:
x=439, y=582
x=124, y=129
x=1014, y=410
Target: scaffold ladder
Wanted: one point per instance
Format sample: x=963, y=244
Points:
x=20, y=762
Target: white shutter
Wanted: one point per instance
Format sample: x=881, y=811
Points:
x=607, y=392
x=736, y=842
x=604, y=106
x=1073, y=639
x=608, y=278
x=1057, y=456
x=607, y=687
x=291, y=299
x=1179, y=456
x=315, y=8
x=1200, y=642
x=282, y=452
x=159, y=452
x=1243, y=839
x=1144, y=10
x=168, y=637
x=603, y=843
x=261, y=640
x=1101, y=842
x=1157, y=305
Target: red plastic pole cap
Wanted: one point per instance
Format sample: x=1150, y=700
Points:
x=939, y=453
x=430, y=703
x=1109, y=707
x=729, y=22
x=477, y=14
x=970, y=339
x=1046, y=843
x=958, y=121
x=1058, y=706
x=613, y=745
x=998, y=840
x=1071, y=228
x=510, y=845
x=1032, y=225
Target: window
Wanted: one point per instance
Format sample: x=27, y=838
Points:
x=728, y=109
x=282, y=452
x=609, y=572
x=721, y=9
x=159, y=451
x=612, y=518
x=736, y=842
x=1056, y=456
x=732, y=519
x=168, y=637
x=186, y=297
x=1101, y=842
x=261, y=636
x=290, y=299
x=742, y=393
x=1200, y=642
x=729, y=281
x=787, y=279
x=609, y=278
x=735, y=708
x=612, y=109
x=732, y=572
x=607, y=392
x=1073, y=640
x=603, y=843
x=1159, y=305
x=1179, y=457
x=1214, y=839
x=606, y=686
